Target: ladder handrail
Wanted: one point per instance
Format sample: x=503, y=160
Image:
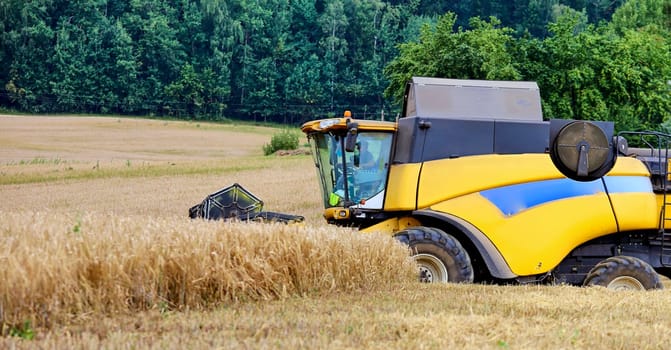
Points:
x=661, y=152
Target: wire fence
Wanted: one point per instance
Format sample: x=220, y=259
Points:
x=220, y=109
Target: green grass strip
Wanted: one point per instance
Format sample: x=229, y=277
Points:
x=128, y=172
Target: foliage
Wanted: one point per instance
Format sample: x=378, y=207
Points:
x=619, y=71
x=635, y=14
x=23, y=331
x=272, y=60
x=283, y=140
x=443, y=51
x=606, y=73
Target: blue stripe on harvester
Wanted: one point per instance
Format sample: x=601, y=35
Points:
x=623, y=184
x=516, y=198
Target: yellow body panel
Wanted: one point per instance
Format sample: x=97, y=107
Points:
x=636, y=210
x=392, y=225
x=536, y=240
x=449, y=178
x=533, y=237
x=325, y=125
x=402, y=187
x=660, y=203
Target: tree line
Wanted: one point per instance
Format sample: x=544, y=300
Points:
x=618, y=70
x=293, y=60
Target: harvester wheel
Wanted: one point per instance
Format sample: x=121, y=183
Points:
x=440, y=257
x=623, y=273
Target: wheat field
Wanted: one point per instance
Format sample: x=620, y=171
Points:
x=97, y=252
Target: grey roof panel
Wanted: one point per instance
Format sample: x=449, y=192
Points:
x=473, y=99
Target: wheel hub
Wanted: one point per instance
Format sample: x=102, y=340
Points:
x=431, y=269
x=625, y=283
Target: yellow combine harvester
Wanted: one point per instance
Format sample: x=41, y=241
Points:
x=480, y=188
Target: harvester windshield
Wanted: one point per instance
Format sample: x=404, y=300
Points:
x=352, y=178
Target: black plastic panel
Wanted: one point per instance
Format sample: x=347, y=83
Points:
x=424, y=139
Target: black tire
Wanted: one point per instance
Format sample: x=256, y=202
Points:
x=440, y=257
x=623, y=273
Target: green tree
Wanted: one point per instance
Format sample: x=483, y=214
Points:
x=94, y=60
x=187, y=92
x=304, y=89
x=153, y=27
x=28, y=46
x=636, y=82
x=257, y=60
x=594, y=73
x=223, y=32
x=534, y=17
x=596, y=10
x=445, y=51
x=373, y=29
x=122, y=69
x=566, y=78
x=292, y=59
x=334, y=24
x=635, y=14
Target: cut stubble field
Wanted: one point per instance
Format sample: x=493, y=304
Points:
x=97, y=252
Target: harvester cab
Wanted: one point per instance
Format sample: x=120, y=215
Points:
x=442, y=119
x=481, y=188
x=353, y=160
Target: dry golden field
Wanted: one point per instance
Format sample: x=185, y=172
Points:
x=97, y=252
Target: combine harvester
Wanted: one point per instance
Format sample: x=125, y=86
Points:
x=481, y=189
